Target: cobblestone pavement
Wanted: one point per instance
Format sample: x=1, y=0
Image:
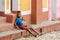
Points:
x=48, y=36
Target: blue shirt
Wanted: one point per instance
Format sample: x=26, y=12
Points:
x=19, y=22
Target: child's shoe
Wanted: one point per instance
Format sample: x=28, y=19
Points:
x=36, y=36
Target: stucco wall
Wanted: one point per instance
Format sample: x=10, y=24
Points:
x=25, y=7
x=44, y=5
x=2, y=5
x=49, y=8
x=53, y=9
x=14, y=5
x=58, y=8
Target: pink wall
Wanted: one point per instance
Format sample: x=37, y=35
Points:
x=49, y=8
x=58, y=8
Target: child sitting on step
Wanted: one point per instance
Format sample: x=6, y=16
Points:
x=19, y=25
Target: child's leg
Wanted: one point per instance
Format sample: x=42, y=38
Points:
x=30, y=32
x=25, y=28
x=35, y=31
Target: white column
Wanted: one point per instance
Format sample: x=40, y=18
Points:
x=8, y=11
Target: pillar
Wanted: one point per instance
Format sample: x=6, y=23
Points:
x=38, y=16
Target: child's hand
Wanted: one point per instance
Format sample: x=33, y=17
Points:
x=25, y=22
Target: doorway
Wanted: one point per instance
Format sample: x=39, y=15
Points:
x=52, y=9
x=2, y=5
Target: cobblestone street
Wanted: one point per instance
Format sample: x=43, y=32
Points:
x=48, y=36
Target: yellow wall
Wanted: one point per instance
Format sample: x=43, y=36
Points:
x=44, y=3
x=24, y=5
x=7, y=4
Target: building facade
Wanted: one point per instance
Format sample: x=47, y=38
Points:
x=54, y=9
x=34, y=11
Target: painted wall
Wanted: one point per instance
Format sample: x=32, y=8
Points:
x=44, y=5
x=2, y=5
x=24, y=5
x=7, y=6
x=49, y=15
x=53, y=9
x=21, y=5
x=15, y=5
x=58, y=8
x=25, y=8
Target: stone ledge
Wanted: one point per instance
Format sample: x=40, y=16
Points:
x=21, y=33
x=2, y=19
x=5, y=27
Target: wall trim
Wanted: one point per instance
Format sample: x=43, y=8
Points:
x=45, y=9
x=26, y=12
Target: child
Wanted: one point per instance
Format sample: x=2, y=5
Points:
x=19, y=24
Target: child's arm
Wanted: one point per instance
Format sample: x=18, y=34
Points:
x=24, y=22
x=16, y=26
x=23, y=19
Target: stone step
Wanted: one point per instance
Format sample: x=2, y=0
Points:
x=44, y=24
x=47, y=26
x=2, y=19
x=5, y=26
x=11, y=34
x=44, y=27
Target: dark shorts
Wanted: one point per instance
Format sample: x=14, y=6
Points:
x=22, y=27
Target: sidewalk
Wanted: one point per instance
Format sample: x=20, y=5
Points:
x=48, y=36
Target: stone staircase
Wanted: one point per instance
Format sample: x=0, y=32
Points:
x=4, y=25
x=2, y=19
x=8, y=32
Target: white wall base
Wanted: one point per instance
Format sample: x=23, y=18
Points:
x=25, y=12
